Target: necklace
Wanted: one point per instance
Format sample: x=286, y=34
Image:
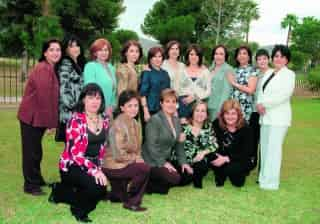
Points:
x=94, y=120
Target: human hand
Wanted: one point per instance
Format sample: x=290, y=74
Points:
x=220, y=160
x=169, y=167
x=260, y=109
x=146, y=116
x=187, y=168
x=188, y=99
x=50, y=131
x=100, y=178
x=182, y=137
x=199, y=156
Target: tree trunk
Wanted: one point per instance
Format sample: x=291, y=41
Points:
x=24, y=65
x=289, y=34
x=219, y=22
x=45, y=7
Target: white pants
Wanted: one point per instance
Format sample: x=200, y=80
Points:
x=271, y=140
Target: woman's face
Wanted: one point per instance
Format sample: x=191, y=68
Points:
x=200, y=113
x=53, y=53
x=219, y=56
x=131, y=108
x=132, y=54
x=174, y=52
x=103, y=54
x=73, y=50
x=193, y=57
x=156, y=60
x=231, y=117
x=262, y=62
x=279, y=61
x=243, y=57
x=169, y=105
x=92, y=103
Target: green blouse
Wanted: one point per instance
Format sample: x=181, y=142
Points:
x=105, y=77
x=220, y=89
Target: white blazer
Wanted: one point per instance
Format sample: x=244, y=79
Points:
x=276, y=98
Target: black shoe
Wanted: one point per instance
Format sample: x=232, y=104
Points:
x=84, y=219
x=219, y=184
x=35, y=192
x=134, y=208
x=197, y=184
x=51, y=198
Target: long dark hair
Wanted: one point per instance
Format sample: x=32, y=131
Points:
x=45, y=47
x=67, y=42
x=91, y=89
x=124, y=97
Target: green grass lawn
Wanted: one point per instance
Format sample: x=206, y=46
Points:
x=297, y=201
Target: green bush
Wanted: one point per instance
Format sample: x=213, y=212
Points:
x=314, y=79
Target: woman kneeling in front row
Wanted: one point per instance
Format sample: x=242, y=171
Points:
x=200, y=145
x=162, y=136
x=82, y=181
x=123, y=164
x=236, y=142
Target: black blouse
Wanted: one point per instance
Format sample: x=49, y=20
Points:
x=236, y=145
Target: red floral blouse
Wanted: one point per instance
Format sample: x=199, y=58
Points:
x=76, y=146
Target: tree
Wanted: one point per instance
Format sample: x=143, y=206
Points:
x=248, y=11
x=216, y=20
x=173, y=17
x=289, y=21
x=124, y=35
x=88, y=19
x=222, y=16
x=306, y=39
x=17, y=18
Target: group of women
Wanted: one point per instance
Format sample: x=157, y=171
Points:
x=193, y=119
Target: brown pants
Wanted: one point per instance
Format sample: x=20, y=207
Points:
x=128, y=184
x=161, y=180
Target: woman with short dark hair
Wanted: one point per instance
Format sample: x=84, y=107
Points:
x=172, y=64
x=245, y=81
x=152, y=82
x=127, y=76
x=274, y=107
x=37, y=112
x=123, y=164
x=82, y=180
x=221, y=87
x=194, y=82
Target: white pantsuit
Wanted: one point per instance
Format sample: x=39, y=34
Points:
x=274, y=124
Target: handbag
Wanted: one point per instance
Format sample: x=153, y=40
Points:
x=60, y=135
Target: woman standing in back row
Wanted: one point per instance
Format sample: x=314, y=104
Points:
x=221, y=88
x=194, y=82
x=172, y=64
x=274, y=108
x=127, y=75
x=102, y=72
x=37, y=112
x=70, y=77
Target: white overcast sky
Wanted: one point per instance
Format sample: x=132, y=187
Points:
x=265, y=31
